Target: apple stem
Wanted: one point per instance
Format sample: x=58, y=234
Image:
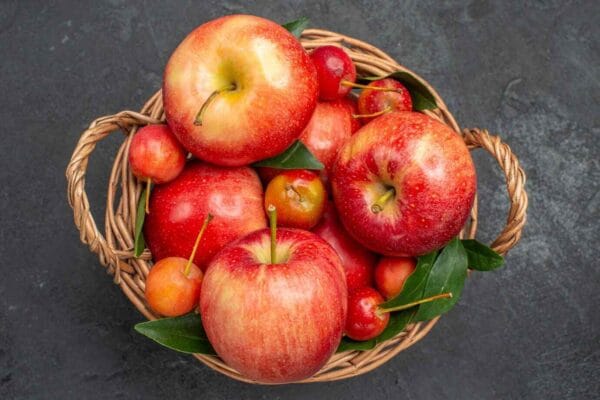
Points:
x=377, y=207
x=415, y=303
x=360, y=86
x=272, y=211
x=148, y=187
x=199, y=116
x=208, y=218
x=375, y=114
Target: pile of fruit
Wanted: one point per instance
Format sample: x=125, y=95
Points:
x=290, y=216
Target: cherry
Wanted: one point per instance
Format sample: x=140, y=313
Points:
x=391, y=273
x=155, y=155
x=299, y=196
x=334, y=66
x=173, y=284
x=364, y=321
x=373, y=102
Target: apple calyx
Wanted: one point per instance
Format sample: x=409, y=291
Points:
x=272, y=211
x=208, y=218
x=345, y=82
x=148, y=186
x=377, y=207
x=292, y=189
x=375, y=114
x=415, y=303
x=210, y=99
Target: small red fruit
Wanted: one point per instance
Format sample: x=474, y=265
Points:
x=391, y=273
x=364, y=320
x=299, y=196
x=155, y=154
x=334, y=67
x=376, y=102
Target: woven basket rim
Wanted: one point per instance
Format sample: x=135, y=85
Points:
x=115, y=247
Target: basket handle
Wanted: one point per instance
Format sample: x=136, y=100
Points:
x=77, y=197
x=515, y=184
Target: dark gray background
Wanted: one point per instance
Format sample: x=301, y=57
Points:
x=527, y=70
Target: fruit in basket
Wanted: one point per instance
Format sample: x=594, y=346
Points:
x=173, y=284
x=376, y=102
x=352, y=105
x=391, y=273
x=335, y=71
x=364, y=320
x=275, y=319
x=239, y=89
x=357, y=261
x=232, y=195
x=404, y=184
x=299, y=196
x=155, y=155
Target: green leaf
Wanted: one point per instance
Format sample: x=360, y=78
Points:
x=349, y=344
x=481, y=257
x=184, y=334
x=296, y=27
x=422, y=98
x=447, y=275
x=415, y=284
x=297, y=156
x=140, y=244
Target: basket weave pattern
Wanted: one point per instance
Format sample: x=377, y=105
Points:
x=115, y=246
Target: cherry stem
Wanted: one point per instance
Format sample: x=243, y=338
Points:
x=199, y=116
x=377, y=207
x=375, y=114
x=272, y=211
x=208, y=218
x=416, y=303
x=360, y=86
x=148, y=186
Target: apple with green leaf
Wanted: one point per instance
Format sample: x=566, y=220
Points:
x=239, y=89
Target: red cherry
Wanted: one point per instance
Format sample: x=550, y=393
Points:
x=373, y=101
x=364, y=320
x=334, y=67
x=391, y=273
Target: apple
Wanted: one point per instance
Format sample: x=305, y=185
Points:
x=239, y=89
x=391, y=273
x=357, y=261
x=275, y=322
x=404, y=184
x=352, y=103
x=232, y=195
x=376, y=102
x=365, y=319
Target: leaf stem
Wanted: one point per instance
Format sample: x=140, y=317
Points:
x=375, y=114
x=361, y=86
x=416, y=303
x=210, y=99
x=148, y=185
x=272, y=211
x=208, y=218
x=377, y=207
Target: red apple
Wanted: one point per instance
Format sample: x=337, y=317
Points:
x=365, y=319
x=275, y=323
x=352, y=104
x=404, y=184
x=391, y=273
x=232, y=195
x=358, y=262
x=253, y=82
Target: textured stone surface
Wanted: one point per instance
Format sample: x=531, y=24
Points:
x=526, y=69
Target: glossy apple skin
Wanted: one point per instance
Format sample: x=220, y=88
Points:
x=372, y=101
x=391, y=273
x=430, y=169
x=171, y=293
x=276, y=90
x=363, y=321
x=155, y=153
x=352, y=103
x=358, y=262
x=333, y=66
x=275, y=323
x=232, y=195
x=299, y=197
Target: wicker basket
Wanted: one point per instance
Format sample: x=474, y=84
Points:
x=115, y=247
